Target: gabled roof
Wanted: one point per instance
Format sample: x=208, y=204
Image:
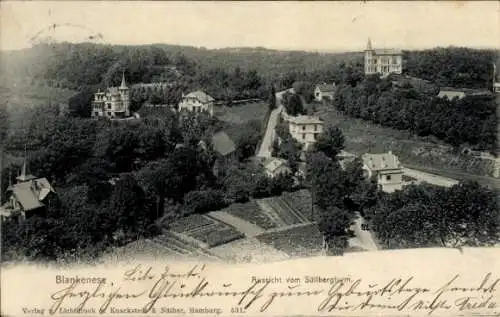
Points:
x=113, y=91
x=274, y=163
x=305, y=120
x=223, y=144
x=326, y=87
x=451, y=94
x=30, y=194
x=200, y=95
x=381, y=162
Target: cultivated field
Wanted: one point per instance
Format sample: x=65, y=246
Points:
x=252, y=213
x=301, y=240
x=208, y=231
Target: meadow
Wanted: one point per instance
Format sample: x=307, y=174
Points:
x=415, y=152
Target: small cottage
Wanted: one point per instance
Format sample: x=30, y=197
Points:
x=324, y=91
x=225, y=150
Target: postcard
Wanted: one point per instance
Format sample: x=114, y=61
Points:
x=270, y=158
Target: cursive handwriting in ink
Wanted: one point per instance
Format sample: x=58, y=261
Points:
x=138, y=274
x=71, y=291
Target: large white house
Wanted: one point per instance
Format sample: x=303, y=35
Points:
x=387, y=168
x=112, y=104
x=305, y=129
x=197, y=102
x=383, y=61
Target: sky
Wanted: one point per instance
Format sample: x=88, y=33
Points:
x=314, y=26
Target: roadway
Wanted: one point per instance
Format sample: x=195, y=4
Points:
x=430, y=178
x=267, y=141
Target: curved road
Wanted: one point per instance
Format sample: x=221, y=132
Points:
x=267, y=141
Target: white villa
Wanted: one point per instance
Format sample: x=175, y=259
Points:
x=305, y=129
x=114, y=103
x=387, y=168
x=383, y=61
x=197, y=102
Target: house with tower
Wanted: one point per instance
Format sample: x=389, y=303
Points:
x=114, y=103
x=383, y=61
x=29, y=196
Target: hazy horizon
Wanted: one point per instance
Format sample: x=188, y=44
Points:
x=323, y=27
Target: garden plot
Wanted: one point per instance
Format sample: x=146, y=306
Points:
x=252, y=213
x=296, y=241
x=210, y=232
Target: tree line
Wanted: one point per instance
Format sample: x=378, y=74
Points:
x=453, y=66
x=468, y=121
x=429, y=216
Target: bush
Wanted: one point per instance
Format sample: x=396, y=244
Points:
x=202, y=201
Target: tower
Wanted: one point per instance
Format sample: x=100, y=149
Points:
x=24, y=176
x=369, y=65
x=494, y=75
x=125, y=95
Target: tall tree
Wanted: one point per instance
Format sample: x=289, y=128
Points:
x=331, y=142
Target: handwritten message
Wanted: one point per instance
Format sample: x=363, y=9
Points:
x=144, y=290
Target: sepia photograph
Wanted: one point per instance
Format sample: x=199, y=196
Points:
x=252, y=133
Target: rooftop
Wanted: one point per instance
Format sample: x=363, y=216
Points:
x=380, y=162
x=326, y=87
x=387, y=51
x=30, y=194
x=305, y=120
x=200, y=95
x=274, y=163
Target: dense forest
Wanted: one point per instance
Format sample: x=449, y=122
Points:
x=428, y=216
x=224, y=74
x=119, y=181
x=453, y=66
x=469, y=121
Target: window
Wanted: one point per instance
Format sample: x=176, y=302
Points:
x=315, y=127
x=303, y=127
x=303, y=136
x=109, y=106
x=96, y=113
x=109, y=114
x=388, y=177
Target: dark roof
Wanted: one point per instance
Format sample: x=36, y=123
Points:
x=326, y=87
x=30, y=194
x=223, y=144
